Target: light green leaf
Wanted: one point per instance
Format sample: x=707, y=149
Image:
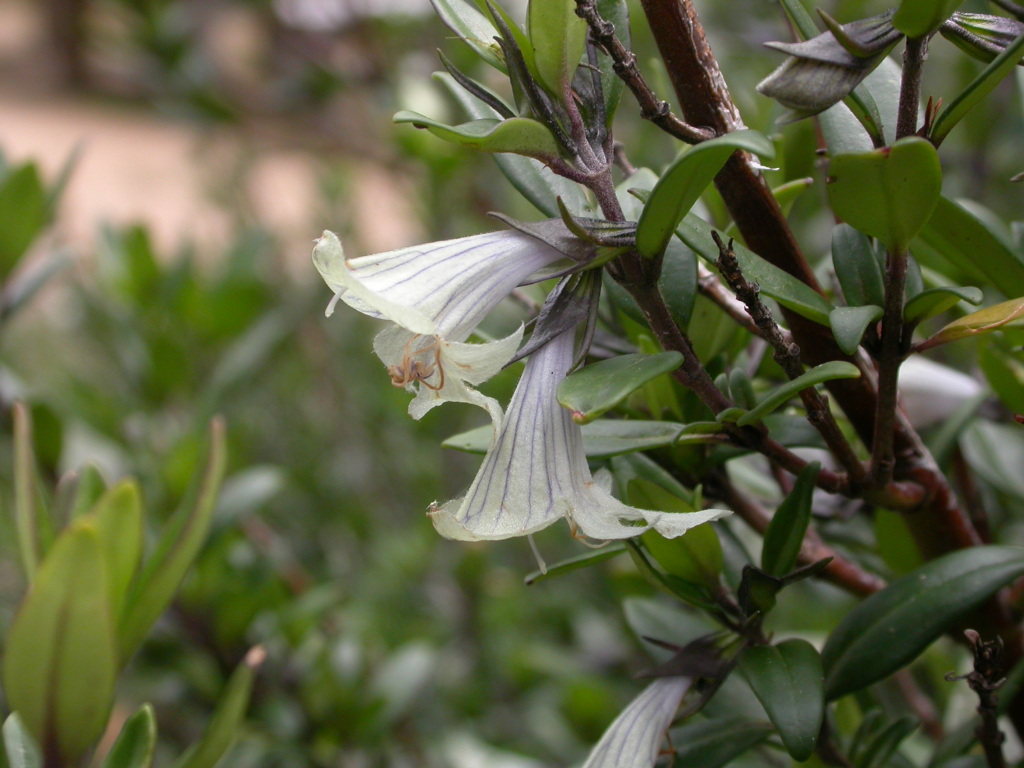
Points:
x=118, y=519
x=473, y=27
x=959, y=236
x=978, y=89
x=983, y=321
x=916, y=18
x=24, y=212
x=19, y=746
x=785, y=533
x=684, y=181
x=136, y=742
x=834, y=369
x=558, y=36
x=596, y=389
x=849, y=323
x=888, y=193
x=788, y=681
x=61, y=657
x=916, y=609
x=520, y=135
x=175, y=550
x=935, y=301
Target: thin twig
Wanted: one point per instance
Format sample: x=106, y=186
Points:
x=985, y=679
x=652, y=108
x=914, y=56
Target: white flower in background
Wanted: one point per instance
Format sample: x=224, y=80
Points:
x=536, y=472
x=436, y=295
x=634, y=739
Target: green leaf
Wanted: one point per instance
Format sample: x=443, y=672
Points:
x=19, y=746
x=850, y=323
x=677, y=283
x=696, y=556
x=785, y=533
x=684, y=181
x=779, y=285
x=558, y=36
x=61, y=657
x=473, y=27
x=175, y=550
x=24, y=212
x=935, y=301
x=787, y=194
x=520, y=135
x=25, y=501
x=78, y=492
x=118, y=518
x=983, y=321
x=788, y=681
x=601, y=439
x=834, y=369
x=959, y=236
x=136, y=742
x=916, y=18
x=1004, y=372
x=227, y=718
x=892, y=627
x=888, y=193
x=857, y=267
x=978, y=89
x=715, y=743
x=594, y=390
x=585, y=560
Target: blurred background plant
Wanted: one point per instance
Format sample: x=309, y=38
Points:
x=133, y=313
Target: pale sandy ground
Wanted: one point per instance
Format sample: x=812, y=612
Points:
x=136, y=166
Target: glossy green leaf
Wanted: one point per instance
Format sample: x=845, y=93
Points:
x=715, y=743
x=892, y=627
x=959, y=236
x=468, y=23
x=850, y=323
x=935, y=301
x=520, y=135
x=20, y=748
x=136, y=742
x=916, y=18
x=857, y=267
x=978, y=89
x=558, y=36
x=788, y=681
x=594, y=390
x=677, y=283
x=227, y=717
x=696, y=556
x=601, y=438
x=118, y=518
x=571, y=564
x=779, y=285
x=888, y=193
x=175, y=550
x=61, y=656
x=684, y=181
x=24, y=212
x=25, y=501
x=834, y=369
x=983, y=321
x=785, y=533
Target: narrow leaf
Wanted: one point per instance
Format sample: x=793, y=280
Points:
x=24, y=212
x=136, y=742
x=118, y=518
x=715, y=743
x=520, y=135
x=914, y=609
x=473, y=27
x=596, y=389
x=785, y=533
x=857, y=267
x=585, y=560
x=558, y=36
x=684, y=181
x=788, y=681
x=935, y=301
x=983, y=321
x=835, y=369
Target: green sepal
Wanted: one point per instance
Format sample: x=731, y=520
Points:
x=594, y=390
x=888, y=193
x=850, y=323
x=785, y=533
x=519, y=135
x=834, y=369
x=136, y=742
x=916, y=609
x=935, y=301
x=789, y=682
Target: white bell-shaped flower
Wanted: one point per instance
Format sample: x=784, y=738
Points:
x=536, y=472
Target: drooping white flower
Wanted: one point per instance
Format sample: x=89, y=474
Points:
x=536, y=472
x=635, y=737
x=436, y=295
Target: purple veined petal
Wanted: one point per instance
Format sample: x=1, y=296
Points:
x=635, y=737
x=439, y=289
x=536, y=472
